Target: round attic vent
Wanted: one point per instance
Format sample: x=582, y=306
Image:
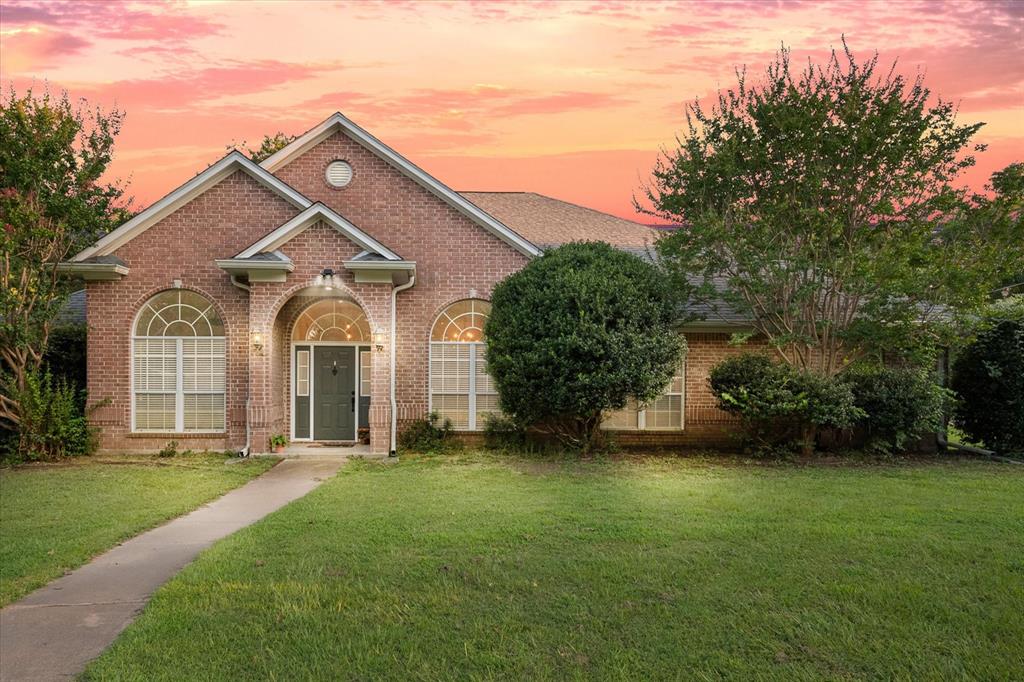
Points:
x=339, y=173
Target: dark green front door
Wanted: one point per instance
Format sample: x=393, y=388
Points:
x=334, y=393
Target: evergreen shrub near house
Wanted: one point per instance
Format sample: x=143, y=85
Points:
x=53, y=422
x=428, y=434
x=577, y=333
x=779, y=404
x=900, y=404
x=65, y=354
x=988, y=379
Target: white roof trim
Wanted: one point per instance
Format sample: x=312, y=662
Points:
x=236, y=264
x=300, y=222
x=379, y=264
x=93, y=271
x=406, y=167
x=185, y=193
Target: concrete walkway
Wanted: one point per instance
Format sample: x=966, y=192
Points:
x=54, y=632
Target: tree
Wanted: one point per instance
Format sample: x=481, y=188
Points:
x=822, y=207
x=578, y=332
x=988, y=378
x=270, y=145
x=52, y=204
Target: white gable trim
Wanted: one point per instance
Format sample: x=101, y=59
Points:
x=185, y=193
x=318, y=211
x=407, y=168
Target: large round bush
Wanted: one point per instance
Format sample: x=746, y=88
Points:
x=580, y=331
x=900, y=404
x=988, y=378
x=779, y=404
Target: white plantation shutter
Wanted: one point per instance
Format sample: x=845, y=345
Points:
x=178, y=365
x=663, y=413
x=460, y=387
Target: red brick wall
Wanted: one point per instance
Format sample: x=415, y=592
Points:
x=218, y=224
x=454, y=256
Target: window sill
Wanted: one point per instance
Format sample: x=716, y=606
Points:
x=179, y=436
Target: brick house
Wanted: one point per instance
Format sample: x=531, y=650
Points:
x=329, y=294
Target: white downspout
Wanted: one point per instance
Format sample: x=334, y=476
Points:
x=248, y=398
x=394, y=401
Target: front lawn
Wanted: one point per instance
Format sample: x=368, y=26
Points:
x=54, y=518
x=476, y=566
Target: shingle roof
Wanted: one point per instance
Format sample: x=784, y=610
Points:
x=73, y=310
x=549, y=222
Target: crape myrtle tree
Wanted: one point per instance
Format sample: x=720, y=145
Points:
x=822, y=206
x=580, y=331
x=53, y=203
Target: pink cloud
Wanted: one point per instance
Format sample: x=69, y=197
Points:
x=113, y=19
x=40, y=48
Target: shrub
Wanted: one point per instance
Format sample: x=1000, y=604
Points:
x=579, y=332
x=65, y=354
x=426, y=435
x=502, y=432
x=779, y=404
x=988, y=378
x=900, y=404
x=169, y=450
x=53, y=424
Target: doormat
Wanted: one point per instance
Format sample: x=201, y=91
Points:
x=331, y=444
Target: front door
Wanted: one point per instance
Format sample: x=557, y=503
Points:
x=334, y=393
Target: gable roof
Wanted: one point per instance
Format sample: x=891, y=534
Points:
x=304, y=220
x=549, y=222
x=339, y=122
x=190, y=190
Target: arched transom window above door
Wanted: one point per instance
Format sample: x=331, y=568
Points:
x=332, y=320
x=461, y=390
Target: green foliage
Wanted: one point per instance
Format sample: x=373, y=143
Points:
x=780, y=404
x=429, y=434
x=504, y=433
x=988, y=378
x=823, y=207
x=53, y=424
x=900, y=404
x=270, y=145
x=65, y=354
x=169, y=450
x=52, y=204
x=278, y=440
x=578, y=332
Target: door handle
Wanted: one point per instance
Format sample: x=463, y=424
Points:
x=353, y=400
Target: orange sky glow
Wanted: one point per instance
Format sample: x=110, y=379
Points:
x=570, y=99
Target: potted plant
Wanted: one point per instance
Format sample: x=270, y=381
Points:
x=277, y=442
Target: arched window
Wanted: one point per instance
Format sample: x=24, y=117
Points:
x=332, y=320
x=460, y=387
x=178, y=365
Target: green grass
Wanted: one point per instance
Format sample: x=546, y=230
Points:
x=54, y=518
x=479, y=567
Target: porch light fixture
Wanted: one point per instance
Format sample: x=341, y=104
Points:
x=257, y=341
x=380, y=337
x=326, y=278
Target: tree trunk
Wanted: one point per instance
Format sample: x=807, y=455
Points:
x=810, y=432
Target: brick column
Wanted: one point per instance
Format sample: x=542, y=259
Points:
x=380, y=394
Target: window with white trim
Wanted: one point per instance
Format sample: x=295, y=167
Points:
x=663, y=413
x=178, y=365
x=365, y=373
x=333, y=319
x=302, y=373
x=460, y=387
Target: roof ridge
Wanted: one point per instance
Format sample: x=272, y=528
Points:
x=561, y=201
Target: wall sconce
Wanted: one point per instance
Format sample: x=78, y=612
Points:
x=380, y=337
x=257, y=341
x=327, y=279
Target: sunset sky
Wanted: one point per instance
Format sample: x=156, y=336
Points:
x=568, y=99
